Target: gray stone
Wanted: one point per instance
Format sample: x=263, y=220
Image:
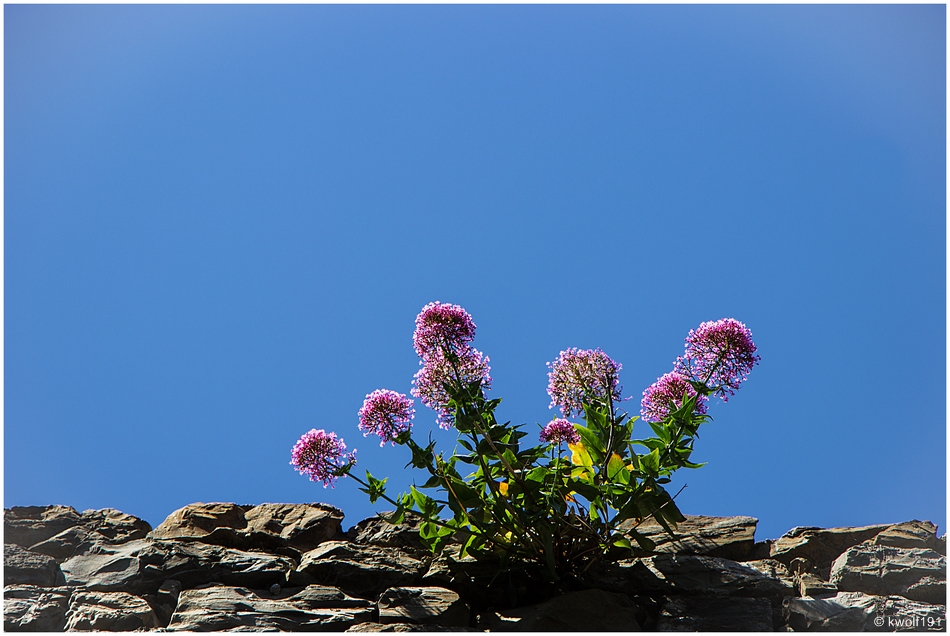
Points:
x=711, y=575
x=142, y=566
x=914, y=573
x=895, y=613
x=28, y=608
x=68, y=543
x=109, y=612
x=822, y=615
x=377, y=531
x=714, y=614
x=910, y=534
x=819, y=545
x=25, y=567
x=28, y=525
x=218, y=608
x=631, y=576
x=725, y=537
x=106, y=526
x=587, y=610
x=362, y=570
x=423, y=605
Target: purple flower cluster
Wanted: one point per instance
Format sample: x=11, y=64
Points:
x=558, y=431
x=579, y=376
x=387, y=414
x=442, y=336
x=440, y=325
x=666, y=395
x=719, y=354
x=321, y=455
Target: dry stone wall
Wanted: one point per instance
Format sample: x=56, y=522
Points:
x=290, y=567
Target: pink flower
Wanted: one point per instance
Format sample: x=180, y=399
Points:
x=387, y=414
x=719, y=354
x=437, y=371
x=579, y=376
x=441, y=326
x=666, y=395
x=558, y=431
x=322, y=456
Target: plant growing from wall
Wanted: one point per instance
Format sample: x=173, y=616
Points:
x=558, y=504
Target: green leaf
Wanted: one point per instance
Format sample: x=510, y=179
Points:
x=622, y=542
x=644, y=542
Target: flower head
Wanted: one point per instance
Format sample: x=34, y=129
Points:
x=437, y=370
x=321, y=456
x=557, y=431
x=442, y=325
x=579, y=376
x=719, y=354
x=666, y=395
x=387, y=414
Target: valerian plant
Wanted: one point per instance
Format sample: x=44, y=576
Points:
x=572, y=500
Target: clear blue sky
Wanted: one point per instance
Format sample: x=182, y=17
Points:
x=221, y=222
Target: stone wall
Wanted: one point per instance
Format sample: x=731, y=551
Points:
x=290, y=567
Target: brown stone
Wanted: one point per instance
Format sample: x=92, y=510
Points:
x=820, y=546
x=200, y=519
x=910, y=534
x=301, y=526
x=108, y=612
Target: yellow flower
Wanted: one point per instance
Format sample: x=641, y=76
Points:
x=503, y=488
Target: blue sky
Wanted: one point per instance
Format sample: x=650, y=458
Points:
x=221, y=222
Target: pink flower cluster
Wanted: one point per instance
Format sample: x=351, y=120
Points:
x=442, y=336
x=719, y=354
x=440, y=325
x=666, y=395
x=387, y=414
x=558, y=431
x=579, y=376
x=321, y=456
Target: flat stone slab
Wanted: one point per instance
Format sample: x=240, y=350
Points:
x=141, y=566
x=219, y=608
x=25, y=567
x=912, y=534
x=714, y=614
x=29, y=608
x=914, y=573
x=28, y=525
x=724, y=537
x=711, y=575
x=361, y=570
x=109, y=612
x=423, y=605
x=854, y=611
x=587, y=610
x=820, y=546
